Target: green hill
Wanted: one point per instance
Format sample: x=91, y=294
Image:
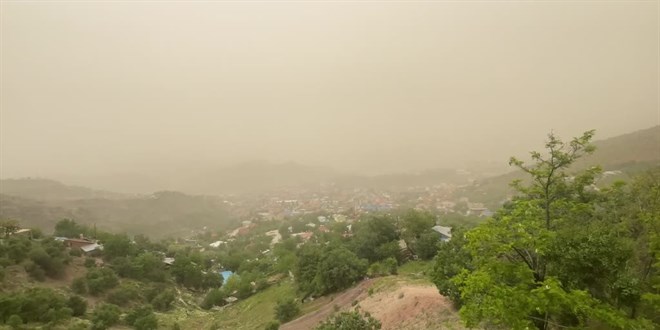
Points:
x=628, y=153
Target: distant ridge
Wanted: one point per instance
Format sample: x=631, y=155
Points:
x=46, y=189
x=629, y=153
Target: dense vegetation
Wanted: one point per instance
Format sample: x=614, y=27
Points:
x=563, y=253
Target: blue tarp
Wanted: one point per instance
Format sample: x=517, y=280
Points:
x=225, y=275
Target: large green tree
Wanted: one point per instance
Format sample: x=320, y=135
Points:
x=559, y=255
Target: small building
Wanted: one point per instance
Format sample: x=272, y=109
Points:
x=91, y=247
x=168, y=261
x=445, y=232
x=77, y=242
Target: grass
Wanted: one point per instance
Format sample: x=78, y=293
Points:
x=252, y=313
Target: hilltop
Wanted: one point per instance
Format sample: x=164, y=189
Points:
x=46, y=189
x=621, y=156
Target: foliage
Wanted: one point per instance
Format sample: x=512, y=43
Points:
x=353, y=320
x=100, y=280
x=69, y=228
x=416, y=223
x=78, y=305
x=142, y=318
x=191, y=275
x=117, y=246
x=426, y=245
x=272, y=325
x=452, y=259
x=123, y=294
x=335, y=269
x=79, y=285
x=371, y=234
x=215, y=297
x=163, y=301
x=561, y=254
x=105, y=316
x=286, y=310
x=34, y=305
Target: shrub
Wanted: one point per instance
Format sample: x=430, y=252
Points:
x=286, y=310
x=215, y=297
x=90, y=262
x=100, y=280
x=15, y=321
x=124, y=294
x=75, y=252
x=164, y=300
x=79, y=285
x=105, y=316
x=138, y=313
x=350, y=321
x=78, y=305
x=273, y=325
x=35, y=271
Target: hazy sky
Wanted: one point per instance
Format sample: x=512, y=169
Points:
x=109, y=87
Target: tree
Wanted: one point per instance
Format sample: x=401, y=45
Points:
x=350, y=321
x=338, y=269
x=79, y=285
x=530, y=260
x=8, y=227
x=426, y=245
x=452, y=259
x=286, y=310
x=371, y=234
x=69, y=228
x=117, y=246
x=416, y=223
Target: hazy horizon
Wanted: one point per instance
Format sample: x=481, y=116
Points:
x=111, y=90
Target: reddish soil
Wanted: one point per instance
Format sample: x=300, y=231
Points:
x=342, y=301
x=407, y=306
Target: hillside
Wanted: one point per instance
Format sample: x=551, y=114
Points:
x=45, y=189
x=628, y=153
x=159, y=215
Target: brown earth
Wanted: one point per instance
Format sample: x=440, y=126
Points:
x=403, y=306
x=342, y=301
x=412, y=307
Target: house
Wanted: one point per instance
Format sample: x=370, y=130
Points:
x=77, y=242
x=168, y=261
x=91, y=247
x=217, y=244
x=445, y=232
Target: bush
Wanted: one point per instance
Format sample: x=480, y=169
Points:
x=79, y=285
x=286, y=310
x=75, y=252
x=273, y=325
x=90, y=262
x=105, y=316
x=137, y=314
x=15, y=321
x=35, y=271
x=164, y=300
x=124, y=294
x=215, y=297
x=100, y=280
x=350, y=321
x=78, y=305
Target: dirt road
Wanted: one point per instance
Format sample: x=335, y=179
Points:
x=344, y=300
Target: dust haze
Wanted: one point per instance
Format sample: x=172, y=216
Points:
x=117, y=92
